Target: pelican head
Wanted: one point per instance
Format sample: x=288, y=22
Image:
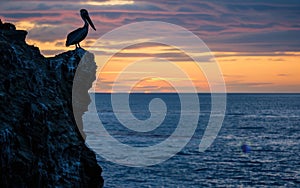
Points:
x=85, y=16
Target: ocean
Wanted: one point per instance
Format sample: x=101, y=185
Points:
x=268, y=123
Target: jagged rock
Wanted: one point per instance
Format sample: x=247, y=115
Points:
x=7, y=26
x=40, y=144
x=8, y=31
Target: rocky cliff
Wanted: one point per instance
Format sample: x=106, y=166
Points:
x=40, y=144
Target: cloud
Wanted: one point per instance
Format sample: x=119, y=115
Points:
x=49, y=33
x=256, y=54
x=223, y=25
x=25, y=15
x=233, y=76
x=246, y=86
x=50, y=53
x=283, y=75
x=59, y=44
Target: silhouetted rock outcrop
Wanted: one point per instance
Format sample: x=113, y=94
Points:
x=40, y=144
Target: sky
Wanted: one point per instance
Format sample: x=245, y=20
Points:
x=255, y=43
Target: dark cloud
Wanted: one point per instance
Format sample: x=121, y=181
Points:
x=263, y=53
x=176, y=56
x=233, y=76
x=277, y=37
x=30, y=15
x=283, y=75
x=277, y=59
x=59, y=44
x=169, y=53
x=213, y=28
x=43, y=6
x=259, y=41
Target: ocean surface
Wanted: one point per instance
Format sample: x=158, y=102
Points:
x=268, y=123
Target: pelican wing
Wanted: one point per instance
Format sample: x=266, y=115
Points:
x=76, y=36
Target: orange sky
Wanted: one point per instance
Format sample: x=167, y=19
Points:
x=272, y=72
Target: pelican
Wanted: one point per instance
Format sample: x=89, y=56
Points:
x=76, y=36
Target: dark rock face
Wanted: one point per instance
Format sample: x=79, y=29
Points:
x=40, y=144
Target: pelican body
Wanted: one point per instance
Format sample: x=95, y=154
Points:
x=78, y=35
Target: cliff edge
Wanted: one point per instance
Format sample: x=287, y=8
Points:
x=40, y=144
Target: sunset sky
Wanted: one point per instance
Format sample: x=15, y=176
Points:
x=256, y=43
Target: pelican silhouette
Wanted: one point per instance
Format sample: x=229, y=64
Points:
x=76, y=36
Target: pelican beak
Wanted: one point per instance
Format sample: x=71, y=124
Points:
x=90, y=22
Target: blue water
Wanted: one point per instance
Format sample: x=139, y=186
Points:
x=268, y=123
